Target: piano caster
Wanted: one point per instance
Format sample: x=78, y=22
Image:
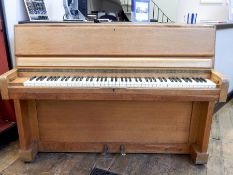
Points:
x=105, y=150
x=122, y=150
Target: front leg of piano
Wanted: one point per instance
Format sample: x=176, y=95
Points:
x=224, y=85
x=27, y=123
x=200, y=131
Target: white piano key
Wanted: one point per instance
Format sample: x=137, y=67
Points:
x=122, y=82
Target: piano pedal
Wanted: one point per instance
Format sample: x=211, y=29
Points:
x=122, y=150
x=105, y=150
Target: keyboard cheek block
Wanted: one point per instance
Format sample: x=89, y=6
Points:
x=114, y=88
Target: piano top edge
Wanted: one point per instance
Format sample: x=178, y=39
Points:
x=120, y=24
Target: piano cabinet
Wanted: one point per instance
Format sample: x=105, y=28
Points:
x=114, y=120
x=87, y=126
x=88, y=120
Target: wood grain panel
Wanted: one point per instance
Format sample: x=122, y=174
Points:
x=27, y=124
x=113, y=40
x=111, y=121
x=113, y=147
x=122, y=62
x=20, y=92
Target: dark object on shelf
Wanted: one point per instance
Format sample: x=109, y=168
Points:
x=72, y=12
x=36, y=10
x=153, y=20
x=97, y=171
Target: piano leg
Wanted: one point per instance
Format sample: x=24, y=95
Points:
x=200, y=131
x=197, y=156
x=27, y=124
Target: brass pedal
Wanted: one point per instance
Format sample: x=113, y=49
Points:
x=105, y=150
x=122, y=150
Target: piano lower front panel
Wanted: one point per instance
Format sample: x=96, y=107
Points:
x=85, y=126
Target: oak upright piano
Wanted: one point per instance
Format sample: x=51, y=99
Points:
x=128, y=88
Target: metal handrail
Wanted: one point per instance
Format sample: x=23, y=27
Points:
x=165, y=18
x=158, y=15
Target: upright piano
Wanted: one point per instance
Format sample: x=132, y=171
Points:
x=117, y=88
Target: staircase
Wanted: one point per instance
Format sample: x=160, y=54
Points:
x=157, y=14
x=127, y=8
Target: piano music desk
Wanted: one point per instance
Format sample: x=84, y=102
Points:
x=127, y=120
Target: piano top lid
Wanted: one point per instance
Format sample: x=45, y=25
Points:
x=127, y=24
x=115, y=42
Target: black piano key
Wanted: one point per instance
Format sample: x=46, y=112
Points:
x=53, y=78
x=67, y=78
x=185, y=79
x=160, y=79
x=164, y=79
x=199, y=80
x=154, y=79
x=178, y=79
x=203, y=80
x=189, y=80
x=49, y=78
x=63, y=78
x=38, y=78
x=57, y=78
x=196, y=80
x=77, y=78
x=44, y=77
x=130, y=80
x=140, y=79
x=111, y=79
x=32, y=78
x=171, y=80
x=74, y=78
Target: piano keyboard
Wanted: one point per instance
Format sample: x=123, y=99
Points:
x=118, y=82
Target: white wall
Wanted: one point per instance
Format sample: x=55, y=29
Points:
x=205, y=11
x=14, y=11
x=55, y=9
x=224, y=54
